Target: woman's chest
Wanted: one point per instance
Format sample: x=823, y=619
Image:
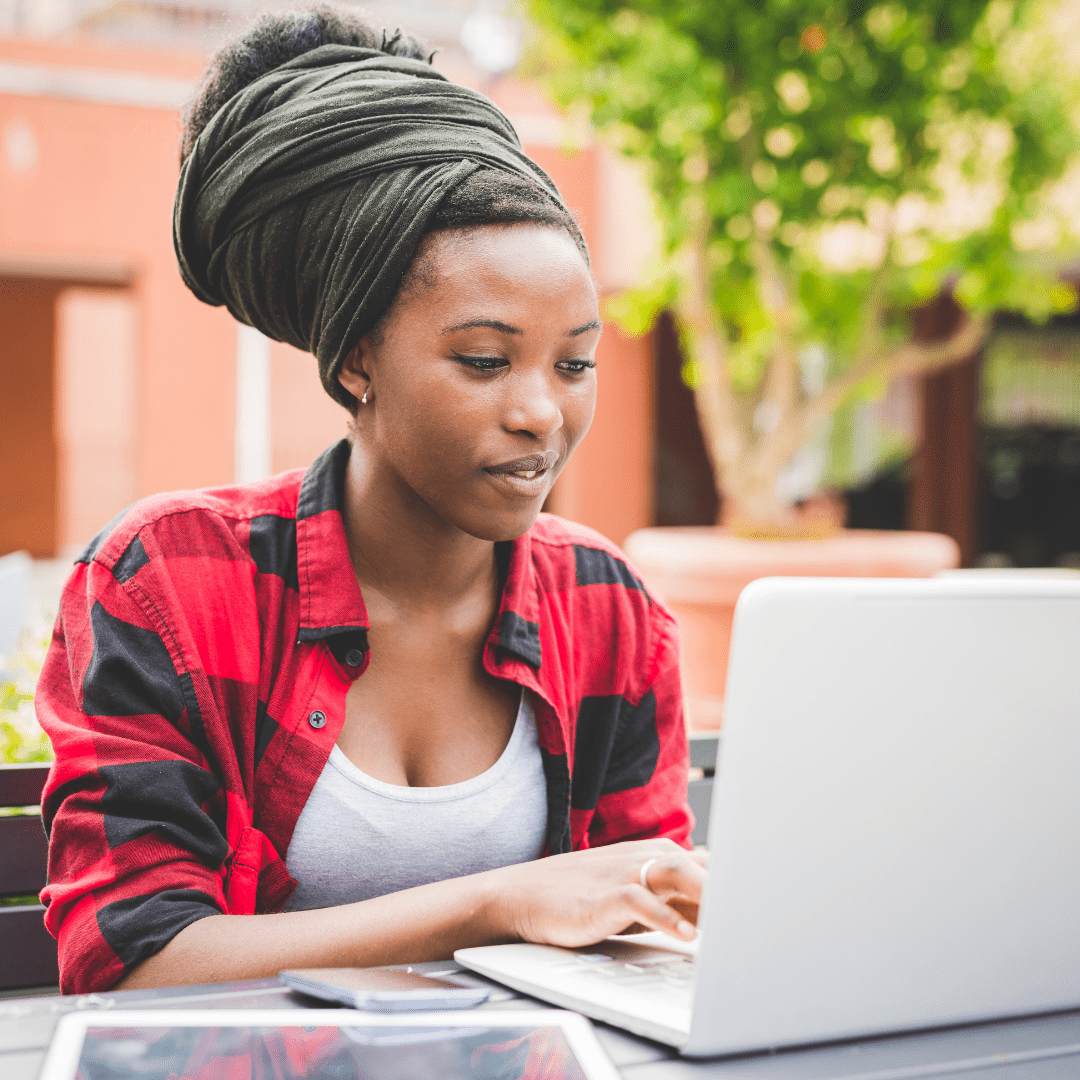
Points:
x=359, y=837
x=425, y=713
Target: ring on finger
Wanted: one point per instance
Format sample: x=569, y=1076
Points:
x=643, y=877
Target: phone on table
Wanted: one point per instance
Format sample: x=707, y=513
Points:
x=383, y=989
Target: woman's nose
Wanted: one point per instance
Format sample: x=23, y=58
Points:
x=533, y=407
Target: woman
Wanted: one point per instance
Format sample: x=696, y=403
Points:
x=227, y=742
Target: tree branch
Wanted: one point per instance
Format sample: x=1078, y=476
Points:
x=909, y=359
x=780, y=393
x=775, y=448
x=713, y=395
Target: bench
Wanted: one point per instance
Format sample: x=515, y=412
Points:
x=704, y=746
x=27, y=949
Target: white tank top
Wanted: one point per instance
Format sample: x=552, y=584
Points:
x=358, y=837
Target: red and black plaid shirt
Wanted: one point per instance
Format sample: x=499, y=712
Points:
x=196, y=685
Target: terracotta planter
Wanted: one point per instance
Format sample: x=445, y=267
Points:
x=700, y=572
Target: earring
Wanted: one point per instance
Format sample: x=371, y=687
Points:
x=363, y=400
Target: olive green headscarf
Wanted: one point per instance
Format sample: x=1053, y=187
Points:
x=306, y=196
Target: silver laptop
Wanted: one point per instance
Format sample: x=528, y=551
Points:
x=895, y=828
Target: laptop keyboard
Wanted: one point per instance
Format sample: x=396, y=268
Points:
x=648, y=971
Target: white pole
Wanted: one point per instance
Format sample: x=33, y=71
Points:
x=253, y=445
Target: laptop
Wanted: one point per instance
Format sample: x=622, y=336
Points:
x=895, y=828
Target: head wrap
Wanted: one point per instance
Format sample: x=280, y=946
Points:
x=304, y=199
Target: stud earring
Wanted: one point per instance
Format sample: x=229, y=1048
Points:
x=363, y=400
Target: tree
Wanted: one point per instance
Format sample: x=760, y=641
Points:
x=820, y=168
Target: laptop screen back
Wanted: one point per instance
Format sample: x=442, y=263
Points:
x=895, y=830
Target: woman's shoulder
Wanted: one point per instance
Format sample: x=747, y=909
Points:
x=558, y=538
x=192, y=522
x=558, y=531
x=574, y=554
x=615, y=625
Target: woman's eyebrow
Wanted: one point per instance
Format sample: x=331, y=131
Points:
x=492, y=324
x=585, y=328
x=506, y=328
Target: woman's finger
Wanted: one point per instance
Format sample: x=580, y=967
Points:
x=648, y=909
x=676, y=875
x=688, y=909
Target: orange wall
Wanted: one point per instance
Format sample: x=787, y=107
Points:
x=99, y=194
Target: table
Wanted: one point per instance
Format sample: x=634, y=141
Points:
x=1040, y=1048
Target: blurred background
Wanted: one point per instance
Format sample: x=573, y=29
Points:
x=116, y=383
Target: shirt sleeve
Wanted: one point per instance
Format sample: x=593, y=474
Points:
x=134, y=810
x=644, y=788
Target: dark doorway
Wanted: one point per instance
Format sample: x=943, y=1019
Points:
x=28, y=444
x=1029, y=445
x=1029, y=499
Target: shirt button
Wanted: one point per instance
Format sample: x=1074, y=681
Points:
x=317, y=719
x=354, y=658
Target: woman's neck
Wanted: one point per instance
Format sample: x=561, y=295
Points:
x=402, y=549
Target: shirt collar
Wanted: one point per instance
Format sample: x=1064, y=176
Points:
x=331, y=605
x=517, y=626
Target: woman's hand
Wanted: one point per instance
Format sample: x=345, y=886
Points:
x=582, y=897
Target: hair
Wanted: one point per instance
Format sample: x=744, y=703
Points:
x=487, y=197
x=275, y=39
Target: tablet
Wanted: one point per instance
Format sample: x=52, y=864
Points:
x=325, y=1044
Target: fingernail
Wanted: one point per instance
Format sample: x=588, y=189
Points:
x=688, y=930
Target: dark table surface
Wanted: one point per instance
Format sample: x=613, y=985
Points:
x=1040, y=1048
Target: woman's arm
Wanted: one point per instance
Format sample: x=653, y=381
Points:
x=573, y=899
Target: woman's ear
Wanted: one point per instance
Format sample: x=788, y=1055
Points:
x=353, y=374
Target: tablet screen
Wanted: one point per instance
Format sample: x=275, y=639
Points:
x=327, y=1052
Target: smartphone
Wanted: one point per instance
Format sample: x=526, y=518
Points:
x=382, y=989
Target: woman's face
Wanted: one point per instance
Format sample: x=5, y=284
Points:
x=481, y=381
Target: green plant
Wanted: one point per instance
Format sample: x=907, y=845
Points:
x=21, y=738
x=819, y=169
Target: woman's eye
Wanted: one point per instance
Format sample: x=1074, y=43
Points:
x=481, y=363
x=575, y=367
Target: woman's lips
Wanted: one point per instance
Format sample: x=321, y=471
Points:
x=526, y=475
